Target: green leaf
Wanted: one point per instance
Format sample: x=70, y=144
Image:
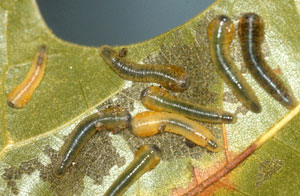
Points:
x=77, y=81
x=271, y=170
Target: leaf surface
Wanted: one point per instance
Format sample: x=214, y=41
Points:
x=77, y=81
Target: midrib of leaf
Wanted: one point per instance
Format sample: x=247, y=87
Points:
x=277, y=126
x=223, y=171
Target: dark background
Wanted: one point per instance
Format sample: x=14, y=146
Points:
x=116, y=22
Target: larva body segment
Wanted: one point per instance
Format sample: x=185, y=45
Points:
x=22, y=93
x=114, y=119
x=220, y=34
x=158, y=99
x=145, y=159
x=251, y=34
x=169, y=76
x=149, y=123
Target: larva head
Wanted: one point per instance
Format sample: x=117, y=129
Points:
x=60, y=169
x=228, y=117
x=11, y=104
x=180, y=80
x=156, y=153
x=254, y=106
x=251, y=24
x=151, y=152
x=107, y=52
x=182, y=84
x=17, y=103
x=156, y=150
x=152, y=97
x=149, y=149
x=43, y=50
x=213, y=145
x=221, y=27
x=42, y=55
x=145, y=93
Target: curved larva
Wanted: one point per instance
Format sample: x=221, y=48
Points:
x=149, y=123
x=21, y=94
x=169, y=76
x=220, y=34
x=251, y=34
x=145, y=159
x=158, y=99
x=114, y=119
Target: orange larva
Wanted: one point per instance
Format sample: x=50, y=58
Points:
x=21, y=94
x=150, y=123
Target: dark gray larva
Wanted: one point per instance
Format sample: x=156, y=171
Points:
x=251, y=34
x=158, y=99
x=220, y=34
x=113, y=118
x=171, y=77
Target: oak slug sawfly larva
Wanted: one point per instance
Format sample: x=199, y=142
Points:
x=158, y=99
x=113, y=118
x=251, y=34
x=220, y=34
x=171, y=77
x=21, y=94
x=145, y=159
x=149, y=123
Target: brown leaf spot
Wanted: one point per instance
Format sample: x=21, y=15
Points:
x=12, y=174
x=266, y=169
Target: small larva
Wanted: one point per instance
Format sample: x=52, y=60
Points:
x=113, y=118
x=169, y=76
x=149, y=123
x=145, y=159
x=251, y=34
x=220, y=34
x=158, y=99
x=21, y=94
